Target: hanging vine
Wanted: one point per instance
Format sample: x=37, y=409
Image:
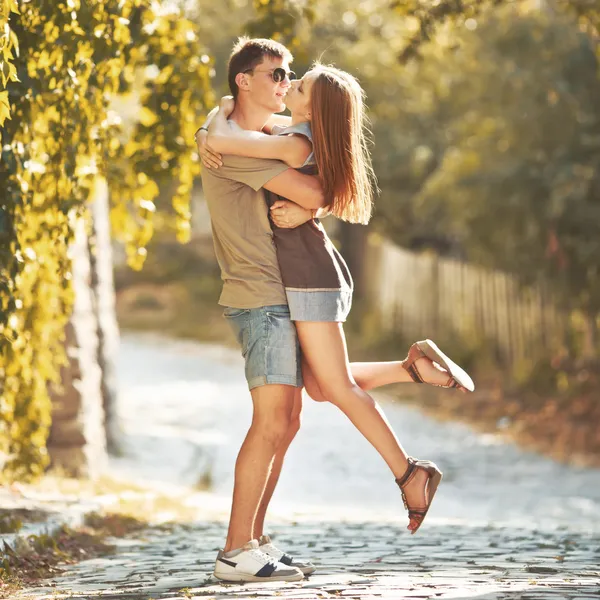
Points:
x=65, y=67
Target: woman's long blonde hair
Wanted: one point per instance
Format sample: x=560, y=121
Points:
x=339, y=131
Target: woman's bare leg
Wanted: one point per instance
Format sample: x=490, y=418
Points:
x=324, y=348
x=371, y=375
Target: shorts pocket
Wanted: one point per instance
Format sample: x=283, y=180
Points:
x=239, y=321
x=232, y=313
x=281, y=343
x=278, y=312
x=280, y=329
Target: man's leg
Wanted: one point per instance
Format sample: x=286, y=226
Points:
x=271, y=420
x=294, y=426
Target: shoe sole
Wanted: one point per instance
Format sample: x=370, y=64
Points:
x=432, y=352
x=244, y=578
x=308, y=570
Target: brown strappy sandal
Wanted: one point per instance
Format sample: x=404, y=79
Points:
x=434, y=478
x=427, y=349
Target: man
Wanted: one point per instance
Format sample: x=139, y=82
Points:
x=256, y=307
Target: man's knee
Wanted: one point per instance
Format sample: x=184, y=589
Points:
x=294, y=426
x=272, y=432
x=275, y=423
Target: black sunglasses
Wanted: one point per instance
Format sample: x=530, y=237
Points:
x=278, y=74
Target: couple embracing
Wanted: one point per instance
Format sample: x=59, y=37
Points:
x=286, y=289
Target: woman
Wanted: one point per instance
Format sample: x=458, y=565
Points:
x=326, y=135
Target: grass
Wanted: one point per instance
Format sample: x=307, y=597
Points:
x=11, y=520
x=128, y=510
x=40, y=557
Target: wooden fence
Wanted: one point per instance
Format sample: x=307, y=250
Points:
x=423, y=295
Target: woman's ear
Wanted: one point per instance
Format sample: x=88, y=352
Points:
x=243, y=81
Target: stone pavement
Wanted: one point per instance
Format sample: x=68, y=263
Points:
x=355, y=560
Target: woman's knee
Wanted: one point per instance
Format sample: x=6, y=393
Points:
x=342, y=392
x=314, y=391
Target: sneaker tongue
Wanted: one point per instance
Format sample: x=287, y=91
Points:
x=265, y=539
x=251, y=545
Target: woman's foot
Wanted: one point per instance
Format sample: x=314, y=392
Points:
x=431, y=372
x=416, y=495
x=418, y=485
x=426, y=363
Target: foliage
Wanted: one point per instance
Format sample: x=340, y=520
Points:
x=65, y=67
x=430, y=17
x=517, y=176
x=284, y=21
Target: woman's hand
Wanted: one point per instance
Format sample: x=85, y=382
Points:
x=227, y=105
x=288, y=215
x=209, y=157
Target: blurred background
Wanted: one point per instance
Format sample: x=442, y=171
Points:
x=485, y=119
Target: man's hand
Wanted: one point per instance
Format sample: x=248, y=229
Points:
x=288, y=215
x=209, y=158
x=227, y=105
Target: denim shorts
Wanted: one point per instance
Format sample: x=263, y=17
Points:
x=269, y=344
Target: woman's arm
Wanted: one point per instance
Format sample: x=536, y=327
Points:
x=208, y=156
x=291, y=149
x=289, y=215
x=280, y=120
x=207, y=122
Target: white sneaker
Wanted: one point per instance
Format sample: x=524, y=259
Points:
x=267, y=546
x=251, y=564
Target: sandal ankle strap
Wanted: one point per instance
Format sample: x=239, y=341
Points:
x=414, y=354
x=408, y=474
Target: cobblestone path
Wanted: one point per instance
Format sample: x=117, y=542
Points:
x=355, y=560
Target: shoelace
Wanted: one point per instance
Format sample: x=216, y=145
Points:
x=272, y=549
x=265, y=559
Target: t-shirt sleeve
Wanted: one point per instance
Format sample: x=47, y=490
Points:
x=254, y=172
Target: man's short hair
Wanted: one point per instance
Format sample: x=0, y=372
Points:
x=248, y=53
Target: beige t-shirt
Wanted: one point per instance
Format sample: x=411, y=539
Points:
x=242, y=233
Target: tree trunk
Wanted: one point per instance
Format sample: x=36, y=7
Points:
x=77, y=442
x=103, y=287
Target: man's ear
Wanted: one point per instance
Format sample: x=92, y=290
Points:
x=243, y=81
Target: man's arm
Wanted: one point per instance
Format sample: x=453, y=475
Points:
x=305, y=190
x=275, y=176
